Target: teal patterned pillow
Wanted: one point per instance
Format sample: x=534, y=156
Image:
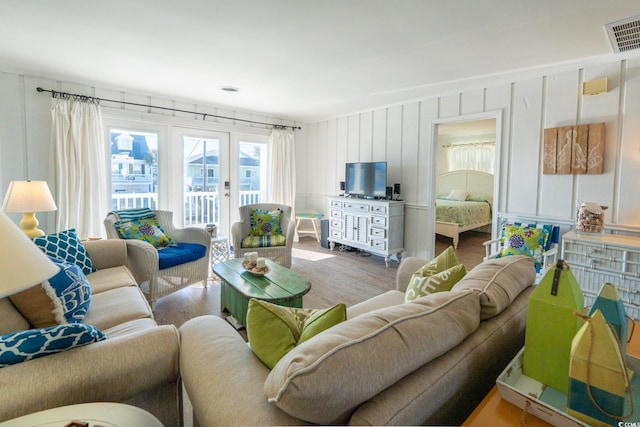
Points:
x=265, y=223
x=146, y=229
x=67, y=247
x=72, y=289
x=34, y=343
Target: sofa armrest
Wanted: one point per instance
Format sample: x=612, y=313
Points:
x=112, y=370
x=106, y=253
x=407, y=267
x=223, y=378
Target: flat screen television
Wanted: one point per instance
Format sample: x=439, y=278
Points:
x=366, y=179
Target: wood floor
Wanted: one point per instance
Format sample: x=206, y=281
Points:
x=335, y=277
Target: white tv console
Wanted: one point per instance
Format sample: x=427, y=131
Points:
x=375, y=226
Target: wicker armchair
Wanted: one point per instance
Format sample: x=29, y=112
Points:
x=155, y=282
x=240, y=230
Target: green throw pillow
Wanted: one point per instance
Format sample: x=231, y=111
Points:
x=265, y=223
x=274, y=330
x=442, y=262
x=146, y=229
x=439, y=282
x=524, y=240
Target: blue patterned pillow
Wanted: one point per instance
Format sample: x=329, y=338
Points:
x=67, y=247
x=65, y=297
x=72, y=289
x=26, y=345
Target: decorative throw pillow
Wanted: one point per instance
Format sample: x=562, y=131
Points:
x=265, y=223
x=274, y=330
x=34, y=343
x=64, y=298
x=146, y=229
x=439, y=282
x=524, y=240
x=459, y=195
x=444, y=261
x=67, y=247
x=263, y=241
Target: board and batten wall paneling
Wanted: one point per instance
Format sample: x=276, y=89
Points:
x=379, y=151
x=528, y=106
x=366, y=137
x=426, y=153
x=594, y=109
x=410, y=132
x=524, y=156
x=472, y=102
x=499, y=99
x=394, y=144
x=353, y=137
x=329, y=164
x=628, y=212
x=561, y=100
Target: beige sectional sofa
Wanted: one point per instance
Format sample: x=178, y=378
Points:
x=136, y=364
x=429, y=361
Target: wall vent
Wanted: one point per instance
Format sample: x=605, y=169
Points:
x=624, y=34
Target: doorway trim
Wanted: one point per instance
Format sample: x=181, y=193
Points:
x=494, y=114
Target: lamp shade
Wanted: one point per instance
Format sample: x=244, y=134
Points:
x=22, y=263
x=28, y=196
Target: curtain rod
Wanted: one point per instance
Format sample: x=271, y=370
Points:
x=85, y=98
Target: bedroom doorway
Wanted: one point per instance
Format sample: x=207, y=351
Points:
x=466, y=181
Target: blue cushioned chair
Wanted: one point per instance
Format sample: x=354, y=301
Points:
x=177, y=266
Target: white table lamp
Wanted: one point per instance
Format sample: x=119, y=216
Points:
x=22, y=263
x=27, y=198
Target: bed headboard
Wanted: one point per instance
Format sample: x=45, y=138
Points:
x=468, y=180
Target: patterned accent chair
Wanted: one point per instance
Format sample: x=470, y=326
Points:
x=175, y=267
x=276, y=247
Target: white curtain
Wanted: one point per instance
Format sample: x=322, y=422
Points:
x=282, y=167
x=469, y=156
x=79, y=159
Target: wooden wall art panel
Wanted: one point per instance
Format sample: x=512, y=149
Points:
x=574, y=149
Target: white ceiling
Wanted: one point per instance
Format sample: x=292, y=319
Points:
x=301, y=59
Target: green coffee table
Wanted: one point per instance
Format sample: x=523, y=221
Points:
x=279, y=286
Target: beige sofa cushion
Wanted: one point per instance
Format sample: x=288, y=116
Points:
x=498, y=281
x=325, y=378
x=117, y=306
x=110, y=278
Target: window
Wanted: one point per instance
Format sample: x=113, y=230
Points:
x=134, y=165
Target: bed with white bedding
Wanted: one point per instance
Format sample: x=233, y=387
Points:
x=463, y=202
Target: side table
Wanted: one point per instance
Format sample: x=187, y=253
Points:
x=314, y=218
x=219, y=249
x=107, y=414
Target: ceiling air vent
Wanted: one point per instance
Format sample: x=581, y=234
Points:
x=624, y=34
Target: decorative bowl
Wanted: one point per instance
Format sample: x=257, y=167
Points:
x=251, y=268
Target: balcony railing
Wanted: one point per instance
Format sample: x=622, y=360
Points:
x=200, y=207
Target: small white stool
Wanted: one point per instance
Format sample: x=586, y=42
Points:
x=219, y=249
x=315, y=222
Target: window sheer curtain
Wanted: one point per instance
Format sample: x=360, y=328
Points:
x=79, y=159
x=282, y=185
x=469, y=156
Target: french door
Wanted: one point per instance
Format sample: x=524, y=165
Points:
x=220, y=172
x=202, y=175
